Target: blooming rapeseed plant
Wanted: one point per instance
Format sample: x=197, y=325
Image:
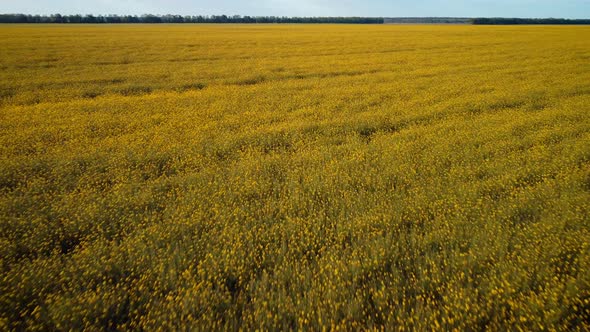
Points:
x=311, y=177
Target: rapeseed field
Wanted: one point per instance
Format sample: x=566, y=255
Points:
x=294, y=177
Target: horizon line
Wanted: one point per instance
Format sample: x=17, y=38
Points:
x=287, y=16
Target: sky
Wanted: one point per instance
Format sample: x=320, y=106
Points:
x=375, y=8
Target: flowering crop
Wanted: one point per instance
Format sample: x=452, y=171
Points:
x=225, y=177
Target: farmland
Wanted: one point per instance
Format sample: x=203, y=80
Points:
x=222, y=177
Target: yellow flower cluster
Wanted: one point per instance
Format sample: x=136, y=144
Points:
x=285, y=177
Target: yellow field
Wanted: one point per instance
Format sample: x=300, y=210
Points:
x=216, y=177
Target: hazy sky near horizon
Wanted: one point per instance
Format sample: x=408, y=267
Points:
x=385, y=8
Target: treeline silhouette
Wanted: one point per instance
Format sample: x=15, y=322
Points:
x=510, y=21
x=428, y=20
x=147, y=18
x=58, y=18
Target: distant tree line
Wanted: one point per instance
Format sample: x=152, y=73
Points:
x=429, y=20
x=57, y=18
x=147, y=18
x=509, y=21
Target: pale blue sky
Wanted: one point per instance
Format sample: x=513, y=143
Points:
x=386, y=8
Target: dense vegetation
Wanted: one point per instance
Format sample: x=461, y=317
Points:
x=58, y=18
x=512, y=21
x=427, y=20
x=218, y=177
